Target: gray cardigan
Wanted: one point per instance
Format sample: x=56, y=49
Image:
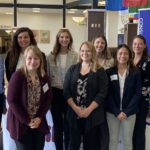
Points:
x=97, y=86
x=54, y=69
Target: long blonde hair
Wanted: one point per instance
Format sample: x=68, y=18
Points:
x=37, y=52
x=94, y=60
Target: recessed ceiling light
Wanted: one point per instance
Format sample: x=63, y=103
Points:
x=73, y=9
x=71, y=12
x=36, y=10
x=9, y=13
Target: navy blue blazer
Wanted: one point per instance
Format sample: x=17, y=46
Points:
x=131, y=94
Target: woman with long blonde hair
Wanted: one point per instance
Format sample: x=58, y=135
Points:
x=85, y=88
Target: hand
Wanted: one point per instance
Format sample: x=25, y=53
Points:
x=78, y=110
x=148, y=90
x=122, y=116
x=34, y=123
x=85, y=112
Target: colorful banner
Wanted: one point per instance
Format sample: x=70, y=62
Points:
x=135, y=3
x=115, y=5
x=135, y=9
x=144, y=25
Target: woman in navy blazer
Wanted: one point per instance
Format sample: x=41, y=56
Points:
x=123, y=98
x=29, y=97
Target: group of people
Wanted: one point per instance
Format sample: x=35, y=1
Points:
x=91, y=95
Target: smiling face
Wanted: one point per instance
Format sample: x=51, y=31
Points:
x=99, y=44
x=23, y=40
x=85, y=53
x=64, y=39
x=32, y=61
x=122, y=56
x=138, y=46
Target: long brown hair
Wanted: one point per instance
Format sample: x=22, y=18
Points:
x=145, y=51
x=105, y=53
x=15, y=49
x=130, y=62
x=57, y=45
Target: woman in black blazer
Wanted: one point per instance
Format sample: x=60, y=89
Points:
x=85, y=89
x=123, y=98
x=142, y=61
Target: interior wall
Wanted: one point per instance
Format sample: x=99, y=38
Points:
x=51, y=22
x=112, y=28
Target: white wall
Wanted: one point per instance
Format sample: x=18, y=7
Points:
x=112, y=28
x=52, y=22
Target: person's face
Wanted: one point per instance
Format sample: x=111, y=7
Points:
x=99, y=45
x=122, y=56
x=64, y=39
x=32, y=61
x=23, y=40
x=138, y=46
x=85, y=53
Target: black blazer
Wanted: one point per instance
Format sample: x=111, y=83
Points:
x=97, y=85
x=131, y=94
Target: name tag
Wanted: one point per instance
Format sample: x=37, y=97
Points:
x=45, y=88
x=113, y=77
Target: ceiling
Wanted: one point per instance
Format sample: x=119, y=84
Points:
x=9, y=10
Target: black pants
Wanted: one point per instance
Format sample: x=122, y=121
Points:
x=103, y=134
x=58, y=110
x=33, y=140
x=80, y=135
x=140, y=127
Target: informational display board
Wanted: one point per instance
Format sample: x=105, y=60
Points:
x=144, y=25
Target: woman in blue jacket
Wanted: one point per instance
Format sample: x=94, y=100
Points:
x=123, y=98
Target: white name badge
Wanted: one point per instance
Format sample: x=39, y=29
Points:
x=45, y=88
x=113, y=77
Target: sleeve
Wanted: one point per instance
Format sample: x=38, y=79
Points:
x=45, y=100
x=67, y=83
x=103, y=86
x=110, y=102
x=146, y=80
x=135, y=99
x=48, y=65
x=14, y=97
